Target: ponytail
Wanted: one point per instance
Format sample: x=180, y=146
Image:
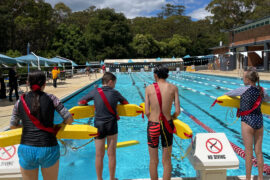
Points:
x=253, y=76
x=36, y=80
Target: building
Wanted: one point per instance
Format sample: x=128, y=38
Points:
x=248, y=46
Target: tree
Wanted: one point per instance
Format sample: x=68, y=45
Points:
x=62, y=12
x=177, y=45
x=171, y=10
x=69, y=42
x=145, y=46
x=107, y=35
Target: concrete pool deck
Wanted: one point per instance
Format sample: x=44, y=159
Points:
x=64, y=88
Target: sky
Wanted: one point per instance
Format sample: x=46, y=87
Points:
x=135, y=8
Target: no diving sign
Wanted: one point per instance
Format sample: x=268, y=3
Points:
x=6, y=153
x=9, y=159
x=213, y=145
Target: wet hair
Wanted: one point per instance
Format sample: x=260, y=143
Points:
x=253, y=76
x=36, y=78
x=107, y=77
x=161, y=71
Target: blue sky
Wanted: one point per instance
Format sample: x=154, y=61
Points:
x=135, y=8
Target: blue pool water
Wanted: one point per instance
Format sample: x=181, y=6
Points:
x=197, y=92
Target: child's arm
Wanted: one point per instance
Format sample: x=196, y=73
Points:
x=15, y=119
x=59, y=107
x=85, y=99
x=237, y=92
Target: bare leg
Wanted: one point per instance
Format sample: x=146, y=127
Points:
x=247, y=135
x=100, y=151
x=166, y=161
x=51, y=173
x=258, y=151
x=153, y=152
x=29, y=174
x=112, y=141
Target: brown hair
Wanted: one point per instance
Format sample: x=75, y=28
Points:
x=107, y=77
x=253, y=76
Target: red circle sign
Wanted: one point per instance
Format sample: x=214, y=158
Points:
x=213, y=145
x=7, y=153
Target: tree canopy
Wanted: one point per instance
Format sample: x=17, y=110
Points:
x=98, y=34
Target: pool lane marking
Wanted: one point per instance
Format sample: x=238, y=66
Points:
x=238, y=150
x=207, y=84
x=134, y=84
x=217, y=80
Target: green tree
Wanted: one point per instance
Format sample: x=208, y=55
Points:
x=13, y=53
x=145, y=46
x=69, y=42
x=177, y=45
x=107, y=35
x=171, y=10
x=62, y=12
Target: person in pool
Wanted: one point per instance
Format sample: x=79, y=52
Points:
x=34, y=112
x=159, y=97
x=252, y=96
x=105, y=100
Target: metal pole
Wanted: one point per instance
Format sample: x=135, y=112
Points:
x=37, y=59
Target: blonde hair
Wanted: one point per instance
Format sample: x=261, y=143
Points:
x=253, y=76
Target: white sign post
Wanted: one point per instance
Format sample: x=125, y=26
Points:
x=107, y=69
x=211, y=155
x=129, y=70
x=142, y=69
x=177, y=69
x=117, y=70
x=9, y=162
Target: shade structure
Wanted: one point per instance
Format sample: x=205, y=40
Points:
x=30, y=59
x=8, y=60
x=130, y=61
x=65, y=60
x=59, y=60
x=186, y=56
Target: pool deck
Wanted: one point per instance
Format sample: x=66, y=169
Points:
x=64, y=88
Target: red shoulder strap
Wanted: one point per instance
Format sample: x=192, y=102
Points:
x=107, y=104
x=255, y=106
x=161, y=115
x=35, y=121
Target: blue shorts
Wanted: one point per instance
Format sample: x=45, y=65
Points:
x=31, y=157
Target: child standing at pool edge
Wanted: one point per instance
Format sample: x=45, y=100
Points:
x=38, y=147
x=159, y=97
x=251, y=119
x=105, y=100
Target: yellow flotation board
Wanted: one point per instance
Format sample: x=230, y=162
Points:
x=182, y=129
x=12, y=137
x=228, y=101
x=80, y=112
x=125, y=144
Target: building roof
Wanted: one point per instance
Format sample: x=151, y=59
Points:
x=152, y=60
x=254, y=22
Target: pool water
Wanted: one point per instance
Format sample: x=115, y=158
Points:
x=197, y=93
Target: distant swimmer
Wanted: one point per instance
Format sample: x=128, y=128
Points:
x=144, y=85
x=217, y=87
x=252, y=96
x=160, y=97
x=105, y=100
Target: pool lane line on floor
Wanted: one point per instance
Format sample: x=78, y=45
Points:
x=236, y=149
x=134, y=84
x=199, y=82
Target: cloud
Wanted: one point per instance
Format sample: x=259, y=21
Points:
x=131, y=9
x=199, y=13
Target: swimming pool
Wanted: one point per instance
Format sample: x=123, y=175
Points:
x=197, y=92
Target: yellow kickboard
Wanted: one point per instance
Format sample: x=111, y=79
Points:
x=80, y=112
x=228, y=101
x=13, y=137
x=181, y=127
x=125, y=144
